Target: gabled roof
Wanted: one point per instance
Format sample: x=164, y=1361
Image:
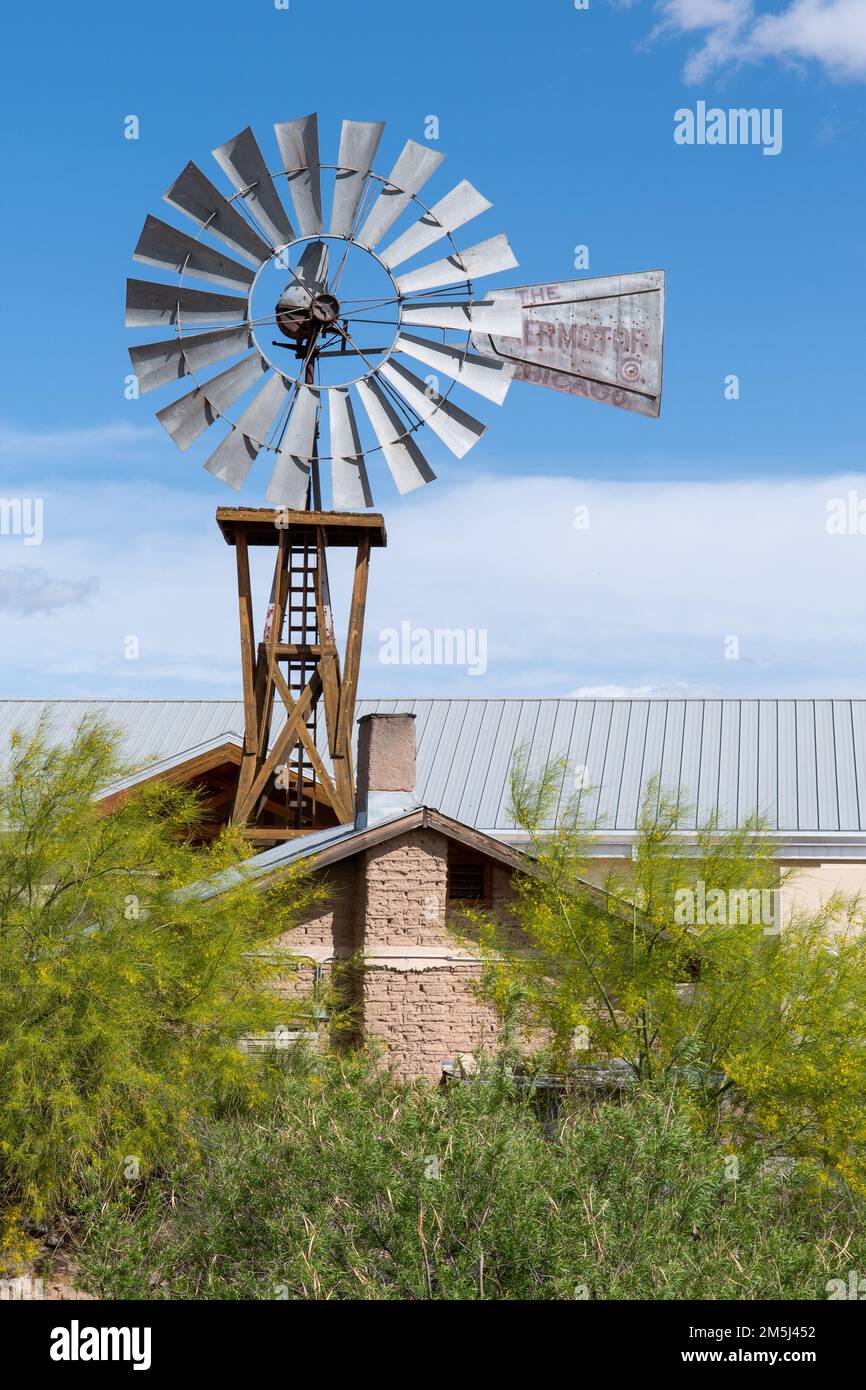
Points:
x=185, y=764
x=800, y=764
x=335, y=843
x=339, y=842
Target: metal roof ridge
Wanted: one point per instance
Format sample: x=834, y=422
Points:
x=431, y=699
x=442, y=699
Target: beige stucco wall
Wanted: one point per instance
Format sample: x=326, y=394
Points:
x=813, y=884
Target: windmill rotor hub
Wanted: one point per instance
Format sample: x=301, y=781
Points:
x=301, y=319
x=325, y=309
x=339, y=310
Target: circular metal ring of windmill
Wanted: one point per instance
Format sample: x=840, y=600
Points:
x=282, y=417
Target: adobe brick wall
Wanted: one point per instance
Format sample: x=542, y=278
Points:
x=328, y=930
x=335, y=922
x=390, y=903
x=423, y=1016
x=404, y=886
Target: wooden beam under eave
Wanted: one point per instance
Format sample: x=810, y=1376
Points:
x=274, y=835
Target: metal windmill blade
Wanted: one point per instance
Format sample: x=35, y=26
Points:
x=235, y=455
x=164, y=246
x=187, y=418
x=502, y=315
x=290, y=479
x=358, y=145
x=350, y=486
x=195, y=195
x=150, y=305
x=487, y=258
x=457, y=208
x=455, y=427
x=299, y=151
x=408, y=466
x=484, y=375
x=414, y=167
x=244, y=165
x=157, y=364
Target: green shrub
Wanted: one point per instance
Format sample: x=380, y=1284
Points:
x=763, y=1021
x=354, y=1187
x=122, y=996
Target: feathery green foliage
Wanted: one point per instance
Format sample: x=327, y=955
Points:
x=123, y=992
x=355, y=1187
x=762, y=1020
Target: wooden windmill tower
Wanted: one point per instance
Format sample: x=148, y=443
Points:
x=317, y=320
x=296, y=666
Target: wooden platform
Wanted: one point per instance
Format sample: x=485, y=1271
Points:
x=262, y=525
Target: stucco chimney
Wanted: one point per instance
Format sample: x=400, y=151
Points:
x=386, y=767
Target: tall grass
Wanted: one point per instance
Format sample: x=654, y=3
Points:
x=353, y=1187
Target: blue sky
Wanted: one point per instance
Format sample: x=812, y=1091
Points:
x=706, y=524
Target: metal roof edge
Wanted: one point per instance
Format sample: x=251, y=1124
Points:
x=168, y=764
x=836, y=844
x=427, y=699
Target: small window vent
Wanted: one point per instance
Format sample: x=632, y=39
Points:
x=468, y=882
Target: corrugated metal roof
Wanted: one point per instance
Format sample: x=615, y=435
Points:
x=148, y=729
x=800, y=764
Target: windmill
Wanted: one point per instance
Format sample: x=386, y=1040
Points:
x=368, y=319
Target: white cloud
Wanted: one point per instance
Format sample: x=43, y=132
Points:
x=688, y=15
x=117, y=440
x=165, y=579
x=831, y=33
x=25, y=592
x=645, y=597
x=642, y=602
x=677, y=690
